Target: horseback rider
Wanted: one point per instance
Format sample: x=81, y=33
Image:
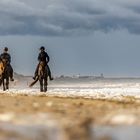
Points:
x=42, y=57
x=6, y=56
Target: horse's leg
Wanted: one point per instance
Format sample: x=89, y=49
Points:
x=45, y=84
x=3, y=82
x=7, y=83
x=0, y=81
x=41, y=84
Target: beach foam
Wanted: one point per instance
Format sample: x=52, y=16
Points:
x=86, y=88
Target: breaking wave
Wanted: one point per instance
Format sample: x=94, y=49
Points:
x=107, y=88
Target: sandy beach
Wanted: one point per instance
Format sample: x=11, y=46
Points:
x=74, y=117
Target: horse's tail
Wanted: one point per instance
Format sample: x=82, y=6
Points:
x=34, y=82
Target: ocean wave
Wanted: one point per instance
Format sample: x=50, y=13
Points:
x=93, y=93
x=95, y=89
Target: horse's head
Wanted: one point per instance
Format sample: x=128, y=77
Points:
x=42, y=65
x=2, y=66
x=41, y=69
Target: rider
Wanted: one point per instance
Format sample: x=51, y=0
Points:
x=42, y=57
x=5, y=55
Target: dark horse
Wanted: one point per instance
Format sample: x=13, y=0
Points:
x=42, y=77
x=4, y=74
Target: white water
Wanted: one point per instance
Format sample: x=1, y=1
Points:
x=87, y=88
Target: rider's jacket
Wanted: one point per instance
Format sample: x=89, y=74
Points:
x=43, y=56
x=6, y=56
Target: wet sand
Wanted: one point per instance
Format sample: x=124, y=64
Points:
x=75, y=116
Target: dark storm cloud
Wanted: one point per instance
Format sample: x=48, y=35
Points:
x=63, y=17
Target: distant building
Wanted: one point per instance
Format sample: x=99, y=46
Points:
x=102, y=76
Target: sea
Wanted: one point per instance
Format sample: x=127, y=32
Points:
x=88, y=87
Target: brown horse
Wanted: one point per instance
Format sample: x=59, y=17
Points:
x=4, y=74
x=42, y=77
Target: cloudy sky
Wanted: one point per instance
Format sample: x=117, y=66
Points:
x=86, y=37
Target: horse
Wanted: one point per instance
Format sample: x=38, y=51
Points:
x=4, y=74
x=42, y=77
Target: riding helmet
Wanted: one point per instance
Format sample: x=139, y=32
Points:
x=5, y=49
x=42, y=48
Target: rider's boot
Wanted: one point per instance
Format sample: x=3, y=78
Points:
x=51, y=78
x=11, y=72
x=34, y=77
x=49, y=73
x=11, y=77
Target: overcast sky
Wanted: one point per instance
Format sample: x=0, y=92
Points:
x=86, y=37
